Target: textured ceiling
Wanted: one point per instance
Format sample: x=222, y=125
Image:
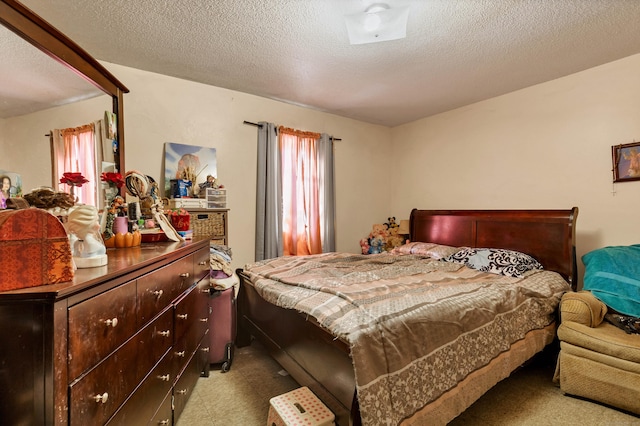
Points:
x=455, y=53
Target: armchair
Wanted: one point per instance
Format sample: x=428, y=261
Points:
x=597, y=360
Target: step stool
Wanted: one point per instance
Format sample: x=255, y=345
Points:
x=297, y=408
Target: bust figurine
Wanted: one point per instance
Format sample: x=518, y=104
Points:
x=87, y=248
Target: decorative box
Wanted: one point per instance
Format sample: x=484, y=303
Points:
x=34, y=249
x=299, y=407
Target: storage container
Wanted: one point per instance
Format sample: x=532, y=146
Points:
x=208, y=223
x=216, y=198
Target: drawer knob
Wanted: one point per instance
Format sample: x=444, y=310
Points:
x=163, y=422
x=101, y=398
x=165, y=333
x=157, y=293
x=182, y=391
x=205, y=350
x=204, y=319
x=183, y=316
x=181, y=354
x=203, y=263
x=185, y=275
x=111, y=322
x=204, y=290
x=165, y=377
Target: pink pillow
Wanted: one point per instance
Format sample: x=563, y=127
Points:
x=432, y=250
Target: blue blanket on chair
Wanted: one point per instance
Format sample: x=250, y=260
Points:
x=612, y=274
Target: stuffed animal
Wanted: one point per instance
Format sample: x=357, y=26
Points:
x=364, y=245
x=376, y=245
x=392, y=222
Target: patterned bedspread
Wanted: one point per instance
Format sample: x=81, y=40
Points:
x=416, y=326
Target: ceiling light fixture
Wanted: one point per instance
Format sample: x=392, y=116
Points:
x=377, y=23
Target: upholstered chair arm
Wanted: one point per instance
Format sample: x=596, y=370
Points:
x=582, y=307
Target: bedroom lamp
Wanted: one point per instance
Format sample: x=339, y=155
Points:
x=377, y=23
x=403, y=229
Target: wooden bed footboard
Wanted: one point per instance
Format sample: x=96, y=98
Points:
x=307, y=352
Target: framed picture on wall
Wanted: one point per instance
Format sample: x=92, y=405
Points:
x=626, y=162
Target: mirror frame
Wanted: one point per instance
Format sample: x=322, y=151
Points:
x=42, y=35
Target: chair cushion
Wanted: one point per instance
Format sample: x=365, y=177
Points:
x=606, y=338
x=582, y=307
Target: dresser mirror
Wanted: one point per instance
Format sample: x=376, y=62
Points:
x=43, y=69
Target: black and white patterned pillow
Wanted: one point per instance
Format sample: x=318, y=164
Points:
x=498, y=261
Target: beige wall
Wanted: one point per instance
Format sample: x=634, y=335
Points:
x=547, y=146
x=162, y=109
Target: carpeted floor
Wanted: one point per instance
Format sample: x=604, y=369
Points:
x=527, y=398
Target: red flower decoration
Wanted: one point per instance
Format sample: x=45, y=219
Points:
x=112, y=179
x=73, y=178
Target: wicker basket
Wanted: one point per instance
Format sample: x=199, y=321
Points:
x=208, y=223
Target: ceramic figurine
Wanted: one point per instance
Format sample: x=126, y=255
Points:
x=87, y=248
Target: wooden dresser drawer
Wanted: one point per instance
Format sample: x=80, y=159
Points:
x=165, y=412
x=184, y=387
x=143, y=404
x=181, y=353
x=190, y=307
x=96, y=396
x=99, y=325
x=202, y=356
x=157, y=289
x=201, y=264
x=133, y=361
x=202, y=324
x=154, y=341
x=191, y=319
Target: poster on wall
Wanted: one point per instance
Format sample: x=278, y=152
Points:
x=189, y=162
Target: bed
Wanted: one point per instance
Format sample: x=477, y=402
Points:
x=417, y=336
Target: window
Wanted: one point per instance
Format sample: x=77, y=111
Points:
x=295, y=210
x=74, y=150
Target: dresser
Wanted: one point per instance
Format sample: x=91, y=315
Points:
x=122, y=344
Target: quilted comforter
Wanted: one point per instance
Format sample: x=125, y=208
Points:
x=415, y=326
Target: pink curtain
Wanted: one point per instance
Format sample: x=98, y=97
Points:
x=74, y=151
x=300, y=192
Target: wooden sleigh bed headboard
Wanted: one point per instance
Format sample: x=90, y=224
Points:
x=547, y=235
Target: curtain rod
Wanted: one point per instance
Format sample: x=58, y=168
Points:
x=260, y=125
